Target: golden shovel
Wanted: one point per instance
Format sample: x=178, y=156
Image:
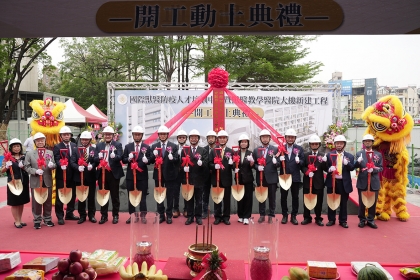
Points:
x=15, y=186
x=187, y=189
x=102, y=195
x=238, y=191
x=261, y=192
x=217, y=193
x=65, y=193
x=135, y=195
x=41, y=193
x=82, y=191
x=333, y=199
x=310, y=199
x=368, y=197
x=159, y=192
x=285, y=179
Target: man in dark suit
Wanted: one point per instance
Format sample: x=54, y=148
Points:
x=343, y=184
x=169, y=172
x=317, y=180
x=362, y=180
x=89, y=176
x=246, y=178
x=270, y=176
x=294, y=161
x=64, y=149
x=140, y=153
x=225, y=177
x=196, y=176
x=113, y=158
x=211, y=141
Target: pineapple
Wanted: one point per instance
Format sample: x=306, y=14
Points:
x=215, y=263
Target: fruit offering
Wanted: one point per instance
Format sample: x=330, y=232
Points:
x=296, y=273
x=74, y=268
x=131, y=272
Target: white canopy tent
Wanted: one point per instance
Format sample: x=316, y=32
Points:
x=95, y=111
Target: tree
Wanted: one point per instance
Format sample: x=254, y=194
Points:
x=17, y=58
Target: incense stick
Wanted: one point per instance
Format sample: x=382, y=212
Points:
x=204, y=231
x=211, y=235
x=196, y=236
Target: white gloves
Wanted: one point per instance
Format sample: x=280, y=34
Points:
x=332, y=169
x=130, y=156
x=199, y=162
x=155, y=152
x=186, y=169
x=63, y=167
x=8, y=164
x=324, y=158
x=170, y=156
x=50, y=165
x=260, y=168
x=217, y=166
x=101, y=155
x=112, y=155
x=39, y=171
x=370, y=170
x=236, y=170
x=90, y=167
x=145, y=160
x=274, y=160
x=230, y=161
x=93, y=145
x=360, y=159
x=311, y=174
x=81, y=168
x=345, y=161
x=250, y=158
x=297, y=159
x=20, y=164
x=282, y=158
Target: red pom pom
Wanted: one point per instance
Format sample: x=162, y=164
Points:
x=218, y=78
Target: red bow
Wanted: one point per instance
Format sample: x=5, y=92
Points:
x=311, y=168
x=135, y=165
x=64, y=162
x=218, y=160
x=261, y=161
x=81, y=161
x=236, y=158
x=41, y=162
x=8, y=157
x=158, y=162
x=368, y=166
x=187, y=161
x=104, y=164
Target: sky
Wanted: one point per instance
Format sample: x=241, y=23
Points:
x=393, y=59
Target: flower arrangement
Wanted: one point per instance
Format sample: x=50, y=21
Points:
x=338, y=128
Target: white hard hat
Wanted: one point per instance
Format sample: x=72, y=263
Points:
x=15, y=141
x=86, y=135
x=290, y=132
x=65, y=129
x=314, y=139
x=340, y=138
x=368, y=137
x=137, y=129
x=211, y=133
x=265, y=132
x=243, y=137
x=164, y=129
x=222, y=133
x=108, y=129
x=194, y=132
x=39, y=135
x=181, y=133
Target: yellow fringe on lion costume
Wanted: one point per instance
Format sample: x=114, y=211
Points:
x=391, y=126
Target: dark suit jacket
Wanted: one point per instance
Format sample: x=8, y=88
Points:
x=362, y=179
x=89, y=176
x=197, y=174
x=209, y=171
x=348, y=186
x=114, y=163
x=129, y=148
x=291, y=166
x=270, y=175
x=318, y=178
x=225, y=175
x=169, y=168
x=57, y=157
x=245, y=170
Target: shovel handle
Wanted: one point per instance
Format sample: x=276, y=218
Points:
x=12, y=175
x=310, y=184
x=369, y=159
x=261, y=178
x=236, y=174
x=65, y=177
x=81, y=178
x=159, y=177
x=217, y=177
x=103, y=178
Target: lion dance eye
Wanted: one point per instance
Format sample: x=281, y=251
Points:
x=60, y=116
x=35, y=115
x=378, y=127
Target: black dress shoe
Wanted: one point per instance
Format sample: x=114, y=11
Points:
x=372, y=225
x=92, y=220
x=81, y=220
x=185, y=214
x=319, y=223
x=18, y=226
x=115, y=220
x=60, y=222
x=23, y=224
x=270, y=220
x=169, y=220
x=199, y=221
x=217, y=221
x=306, y=221
x=294, y=221
x=284, y=220
x=128, y=221
x=261, y=219
x=176, y=214
x=361, y=224
x=226, y=222
x=189, y=221
x=330, y=223
x=161, y=219
x=72, y=217
x=103, y=220
x=344, y=225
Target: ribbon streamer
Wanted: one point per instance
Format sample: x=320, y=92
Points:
x=135, y=165
x=187, y=161
x=218, y=160
x=158, y=162
x=64, y=162
x=311, y=168
x=261, y=161
x=104, y=164
x=81, y=162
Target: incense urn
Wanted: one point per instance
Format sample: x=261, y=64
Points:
x=195, y=255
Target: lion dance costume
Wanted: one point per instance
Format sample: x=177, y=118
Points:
x=48, y=118
x=391, y=126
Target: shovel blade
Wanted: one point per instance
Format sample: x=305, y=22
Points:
x=102, y=197
x=135, y=197
x=238, y=192
x=285, y=181
x=41, y=195
x=65, y=194
x=333, y=200
x=310, y=200
x=187, y=191
x=217, y=194
x=160, y=194
x=261, y=193
x=82, y=192
x=16, y=188
x=368, y=198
